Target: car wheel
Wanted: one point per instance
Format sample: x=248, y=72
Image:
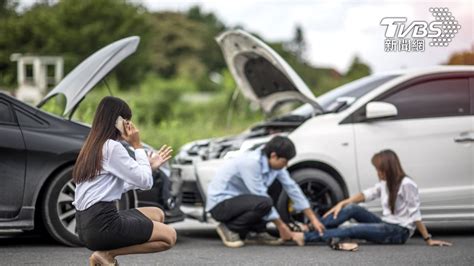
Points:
x=57, y=211
x=321, y=190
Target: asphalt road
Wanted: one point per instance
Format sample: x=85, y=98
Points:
x=199, y=245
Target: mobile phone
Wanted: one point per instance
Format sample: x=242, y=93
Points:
x=119, y=124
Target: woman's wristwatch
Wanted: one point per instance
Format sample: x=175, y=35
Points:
x=428, y=237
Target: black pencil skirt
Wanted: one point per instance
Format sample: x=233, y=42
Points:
x=102, y=227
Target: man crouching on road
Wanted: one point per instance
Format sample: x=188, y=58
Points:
x=238, y=198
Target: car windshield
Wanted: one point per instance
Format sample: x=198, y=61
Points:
x=352, y=90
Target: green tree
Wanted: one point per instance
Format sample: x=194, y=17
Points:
x=297, y=45
x=7, y=16
x=357, y=69
x=210, y=53
x=8, y=8
x=462, y=58
x=183, y=45
x=174, y=41
x=75, y=29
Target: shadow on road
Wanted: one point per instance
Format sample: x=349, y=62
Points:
x=186, y=235
x=25, y=239
x=456, y=229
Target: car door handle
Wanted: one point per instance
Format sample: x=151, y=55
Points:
x=464, y=137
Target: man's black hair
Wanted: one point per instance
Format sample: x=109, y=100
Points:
x=282, y=146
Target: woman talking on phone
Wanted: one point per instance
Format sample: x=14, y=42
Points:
x=103, y=171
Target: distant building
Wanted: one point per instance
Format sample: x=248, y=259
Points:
x=36, y=74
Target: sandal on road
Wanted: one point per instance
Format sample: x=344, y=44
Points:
x=343, y=246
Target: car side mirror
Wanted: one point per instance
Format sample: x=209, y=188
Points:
x=375, y=110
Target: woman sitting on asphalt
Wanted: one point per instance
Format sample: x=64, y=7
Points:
x=103, y=171
x=401, y=212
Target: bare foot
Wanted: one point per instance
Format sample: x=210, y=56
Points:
x=298, y=238
x=101, y=258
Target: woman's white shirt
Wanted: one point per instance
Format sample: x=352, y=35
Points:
x=119, y=173
x=407, y=205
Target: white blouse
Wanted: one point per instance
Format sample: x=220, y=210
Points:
x=407, y=204
x=119, y=173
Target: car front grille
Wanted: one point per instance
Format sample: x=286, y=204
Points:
x=191, y=194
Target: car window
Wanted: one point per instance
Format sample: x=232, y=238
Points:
x=27, y=120
x=435, y=98
x=5, y=114
x=355, y=89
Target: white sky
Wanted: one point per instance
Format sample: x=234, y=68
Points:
x=336, y=31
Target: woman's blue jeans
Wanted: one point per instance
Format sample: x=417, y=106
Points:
x=369, y=227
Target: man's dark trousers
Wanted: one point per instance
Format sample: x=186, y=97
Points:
x=243, y=213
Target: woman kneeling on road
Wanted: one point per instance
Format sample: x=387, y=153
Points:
x=103, y=171
x=401, y=211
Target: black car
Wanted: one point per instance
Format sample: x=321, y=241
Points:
x=38, y=151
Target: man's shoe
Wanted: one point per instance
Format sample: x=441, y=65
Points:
x=229, y=238
x=263, y=238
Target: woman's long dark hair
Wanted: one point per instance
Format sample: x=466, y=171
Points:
x=388, y=164
x=89, y=161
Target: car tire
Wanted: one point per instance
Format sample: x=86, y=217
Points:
x=57, y=211
x=320, y=188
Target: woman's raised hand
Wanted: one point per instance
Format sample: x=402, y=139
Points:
x=161, y=157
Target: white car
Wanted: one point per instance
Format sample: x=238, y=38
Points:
x=426, y=116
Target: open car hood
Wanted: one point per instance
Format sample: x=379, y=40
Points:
x=261, y=74
x=89, y=72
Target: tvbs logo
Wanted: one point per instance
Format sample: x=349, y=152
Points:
x=396, y=27
x=401, y=36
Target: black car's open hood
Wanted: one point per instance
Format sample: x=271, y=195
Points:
x=261, y=74
x=88, y=73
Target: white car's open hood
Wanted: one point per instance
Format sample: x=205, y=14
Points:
x=261, y=74
x=92, y=70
